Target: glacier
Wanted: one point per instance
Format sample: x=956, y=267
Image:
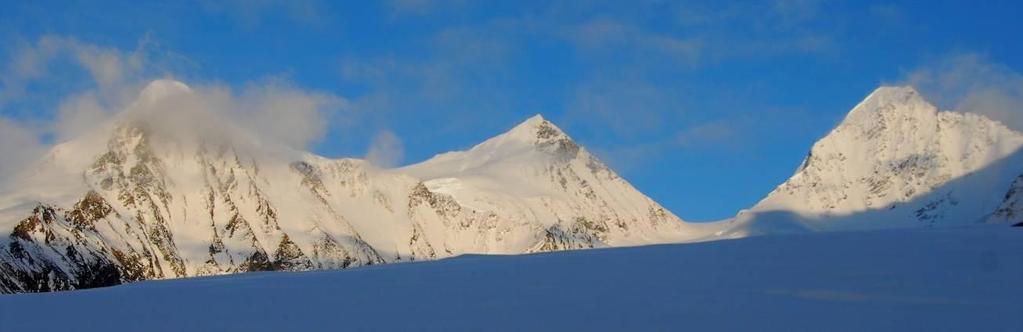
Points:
x=942, y=279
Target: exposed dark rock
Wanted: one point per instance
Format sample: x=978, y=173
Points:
x=289, y=257
x=557, y=239
x=88, y=210
x=258, y=261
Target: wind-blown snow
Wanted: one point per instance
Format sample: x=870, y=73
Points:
x=953, y=279
x=160, y=89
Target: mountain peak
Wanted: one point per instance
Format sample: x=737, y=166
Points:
x=893, y=92
x=896, y=161
x=535, y=130
x=531, y=141
x=162, y=88
x=904, y=100
x=536, y=118
x=892, y=95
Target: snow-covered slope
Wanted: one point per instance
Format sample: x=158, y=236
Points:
x=1011, y=209
x=949, y=279
x=134, y=200
x=537, y=177
x=895, y=161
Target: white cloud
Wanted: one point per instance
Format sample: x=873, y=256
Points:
x=713, y=134
x=106, y=66
x=19, y=147
x=972, y=83
x=28, y=62
x=77, y=114
x=283, y=113
x=269, y=112
x=386, y=150
x=116, y=76
x=603, y=35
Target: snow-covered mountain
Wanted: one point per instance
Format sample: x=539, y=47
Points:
x=134, y=201
x=142, y=198
x=896, y=161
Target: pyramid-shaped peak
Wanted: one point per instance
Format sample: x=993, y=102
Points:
x=894, y=94
x=535, y=119
x=530, y=124
x=535, y=129
x=897, y=98
x=535, y=134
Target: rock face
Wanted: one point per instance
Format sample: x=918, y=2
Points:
x=896, y=161
x=131, y=203
x=1011, y=209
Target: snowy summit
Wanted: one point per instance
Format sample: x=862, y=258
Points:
x=895, y=162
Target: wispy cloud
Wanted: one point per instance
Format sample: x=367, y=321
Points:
x=632, y=69
x=77, y=114
x=748, y=134
x=457, y=78
x=386, y=150
x=109, y=71
x=105, y=65
x=714, y=134
x=627, y=105
x=284, y=113
x=970, y=82
x=19, y=146
x=267, y=112
x=761, y=29
x=601, y=35
x=30, y=64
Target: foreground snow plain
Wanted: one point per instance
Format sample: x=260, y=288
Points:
x=923, y=279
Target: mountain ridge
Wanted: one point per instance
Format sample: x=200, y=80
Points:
x=155, y=203
x=145, y=196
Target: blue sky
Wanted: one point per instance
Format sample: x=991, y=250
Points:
x=703, y=105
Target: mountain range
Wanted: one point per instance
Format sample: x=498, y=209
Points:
x=132, y=200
